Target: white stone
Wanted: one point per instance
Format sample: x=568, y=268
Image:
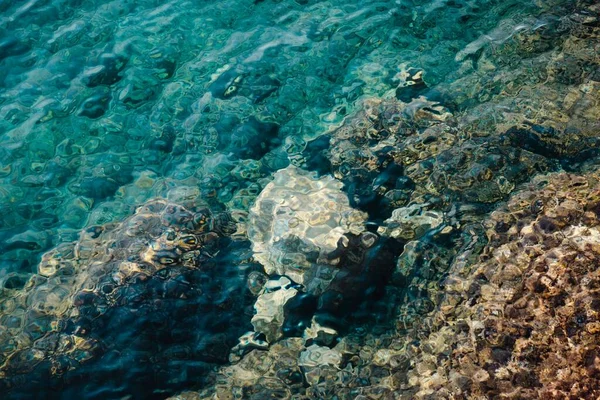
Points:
x=296, y=223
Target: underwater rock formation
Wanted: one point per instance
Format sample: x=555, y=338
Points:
x=260, y=374
x=541, y=79
x=270, y=307
x=390, y=154
x=372, y=150
x=522, y=322
x=158, y=272
x=411, y=222
x=492, y=94
x=490, y=299
x=297, y=221
x=303, y=228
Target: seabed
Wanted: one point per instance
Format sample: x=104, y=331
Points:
x=299, y=199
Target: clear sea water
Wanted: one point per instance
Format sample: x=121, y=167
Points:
x=106, y=104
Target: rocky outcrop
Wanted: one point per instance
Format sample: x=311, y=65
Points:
x=522, y=321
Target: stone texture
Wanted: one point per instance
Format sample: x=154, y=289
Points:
x=296, y=223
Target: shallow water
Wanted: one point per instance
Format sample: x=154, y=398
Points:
x=107, y=104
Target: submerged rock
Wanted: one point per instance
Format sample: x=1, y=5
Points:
x=303, y=228
x=270, y=308
x=297, y=222
x=157, y=272
x=391, y=154
x=262, y=374
x=521, y=322
x=314, y=356
x=490, y=299
x=411, y=222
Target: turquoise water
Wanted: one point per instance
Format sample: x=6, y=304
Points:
x=105, y=105
x=99, y=99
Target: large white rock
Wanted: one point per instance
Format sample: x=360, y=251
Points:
x=296, y=223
